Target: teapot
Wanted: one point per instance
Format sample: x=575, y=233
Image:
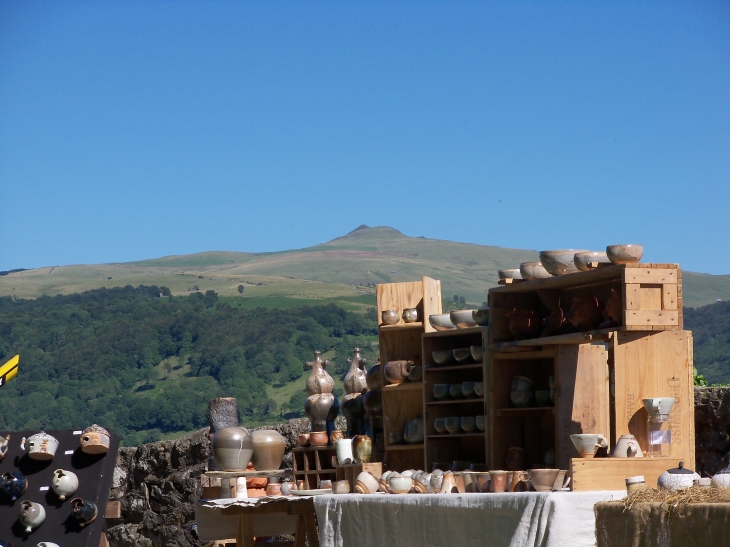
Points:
x=396, y=372
x=13, y=484
x=31, y=515
x=413, y=432
x=677, y=478
x=64, y=483
x=84, y=512
x=40, y=446
x=627, y=447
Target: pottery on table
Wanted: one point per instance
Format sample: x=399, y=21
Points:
x=40, y=446
x=303, y=439
x=533, y=270
x=366, y=483
x=410, y=315
x=83, y=511
x=463, y=319
x=413, y=433
x=341, y=487
x=64, y=483
x=325, y=484
x=476, y=353
x=636, y=482
x=362, y=448
x=389, y=317
x=441, y=321
x=453, y=424
x=560, y=261
x=512, y=273
x=273, y=489
x=268, y=449
x=31, y=515
x=415, y=373
x=480, y=422
x=422, y=483
x=462, y=355
x=442, y=357
x=479, y=389
x=455, y=391
x=13, y=484
x=588, y=443
x=232, y=448
x=400, y=485
x=439, y=424
x=583, y=259
x=396, y=372
x=542, y=397
x=4, y=444
x=448, y=484
x=625, y=254
x=499, y=480
x=524, y=324
x=677, y=478
x=481, y=317
x=344, y=451
x=627, y=447
x=468, y=424
x=721, y=478
x=585, y=313
x=383, y=482
x=543, y=480
x=467, y=389
x=522, y=383
x=320, y=386
x=318, y=438
x=441, y=391
x=95, y=440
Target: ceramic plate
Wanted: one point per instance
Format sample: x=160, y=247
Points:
x=317, y=492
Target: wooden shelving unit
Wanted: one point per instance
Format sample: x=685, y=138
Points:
x=313, y=464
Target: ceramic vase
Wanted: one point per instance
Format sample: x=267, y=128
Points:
x=319, y=387
x=95, y=440
x=40, y=446
x=64, y=483
x=13, y=484
x=232, y=448
x=31, y=515
x=268, y=449
x=362, y=448
x=83, y=512
x=344, y=451
x=222, y=412
x=355, y=383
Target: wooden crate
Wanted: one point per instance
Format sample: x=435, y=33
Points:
x=651, y=298
x=610, y=473
x=349, y=472
x=424, y=295
x=313, y=464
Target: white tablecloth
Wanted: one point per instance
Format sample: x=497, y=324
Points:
x=529, y=519
x=212, y=525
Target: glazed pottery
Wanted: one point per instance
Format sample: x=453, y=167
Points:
x=462, y=355
x=13, y=484
x=366, y=483
x=479, y=389
x=95, y=440
x=543, y=480
x=383, y=482
x=396, y=372
x=4, y=443
x=4, y=543
x=585, y=313
x=40, y=446
x=533, y=270
x=455, y=391
x=373, y=402
x=410, y=315
x=468, y=424
x=463, y=319
x=335, y=436
x=372, y=378
x=476, y=353
x=625, y=254
x=587, y=443
x=413, y=433
x=400, y=485
x=318, y=438
x=389, y=317
x=467, y=389
x=542, y=397
x=64, y=483
x=559, y=262
x=415, y=373
x=613, y=310
x=522, y=383
x=480, y=423
x=303, y=439
x=344, y=451
x=341, y=487
x=721, y=478
x=441, y=321
x=422, y=483
x=513, y=273
x=677, y=478
x=442, y=357
x=395, y=437
x=355, y=383
x=31, y=515
x=232, y=448
x=635, y=483
x=583, y=259
x=441, y=391
x=453, y=424
x=658, y=405
x=319, y=387
x=516, y=458
x=268, y=449
x=520, y=398
x=499, y=480
x=84, y=512
x=448, y=484
x=355, y=380
x=627, y=447
x=273, y=489
x=524, y=324
x=481, y=317
x=362, y=448
x=439, y=424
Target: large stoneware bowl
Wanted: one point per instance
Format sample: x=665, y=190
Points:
x=533, y=270
x=584, y=258
x=441, y=322
x=625, y=254
x=463, y=319
x=232, y=448
x=560, y=261
x=268, y=449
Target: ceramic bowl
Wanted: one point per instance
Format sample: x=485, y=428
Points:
x=439, y=424
x=542, y=397
x=463, y=319
x=366, y=483
x=521, y=399
x=480, y=423
x=468, y=423
x=441, y=391
x=390, y=317
x=467, y=389
x=441, y=321
x=481, y=317
x=455, y=391
x=410, y=315
x=522, y=383
x=318, y=438
x=303, y=439
x=513, y=273
x=625, y=254
x=559, y=262
x=341, y=487
x=396, y=437
x=400, y=485
x=479, y=389
x=583, y=259
x=442, y=357
x=533, y=270
x=476, y=353
x=453, y=424
x=543, y=479
x=462, y=355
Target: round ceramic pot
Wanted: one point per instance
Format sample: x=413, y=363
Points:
x=373, y=402
x=410, y=315
x=627, y=447
x=303, y=439
x=400, y=485
x=273, y=489
x=624, y=254
x=366, y=483
x=372, y=378
x=318, y=438
x=268, y=449
x=232, y=448
x=677, y=478
x=721, y=479
x=390, y=317
x=396, y=372
x=95, y=440
x=317, y=408
x=40, y=446
x=13, y=484
x=31, y=515
x=335, y=436
x=344, y=451
x=362, y=448
x=83, y=512
x=341, y=487
x=64, y=483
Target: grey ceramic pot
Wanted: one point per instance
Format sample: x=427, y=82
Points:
x=268, y=449
x=232, y=448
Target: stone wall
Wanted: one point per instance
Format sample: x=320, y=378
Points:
x=712, y=429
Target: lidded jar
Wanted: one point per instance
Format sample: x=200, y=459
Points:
x=677, y=478
x=659, y=426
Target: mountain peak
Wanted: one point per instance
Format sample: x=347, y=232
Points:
x=365, y=231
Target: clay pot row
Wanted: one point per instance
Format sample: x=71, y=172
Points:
x=14, y=484
x=235, y=447
x=31, y=514
x=42, y=446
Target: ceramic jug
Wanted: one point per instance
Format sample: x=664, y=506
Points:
x=95, y=440
x=344, y=451
x=396, y=372
x=40, y=446
x=13, y=484
x=64, y=483
x=232, y=448
x=4, y=443
x=268, y=449
x=84, y=512
x=31, y=515
x=627, y=447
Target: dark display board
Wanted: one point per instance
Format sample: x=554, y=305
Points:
x=95, y=473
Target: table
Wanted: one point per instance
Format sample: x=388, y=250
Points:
x=246, y=518
x=528, y=519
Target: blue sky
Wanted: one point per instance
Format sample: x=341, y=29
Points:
x=132, y=130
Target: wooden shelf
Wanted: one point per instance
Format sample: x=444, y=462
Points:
x=404, y=447
x=572, y=338
x=315, y=472
x=457, y=435
x=405, y=386
x=509, y=412
x=454, y=332
x=456, y=401
x=398, y=326
x=537, y=354
x=449, y=368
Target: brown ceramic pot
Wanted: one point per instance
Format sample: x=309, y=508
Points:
x=273, y=489
x=320, y=385
x=232, y=448
x=335, y=436
x=318, y=438
x=372, y=378
x=362, y=448
x=268, y=449
x=396, y=372
x=355, y=379
x=303, y=439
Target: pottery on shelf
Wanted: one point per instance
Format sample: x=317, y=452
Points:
x=362, y=448
x=453, y=424
x=413, y=432
x=395, y=437
x=583, y=259
x=336, y=435
x=479, y=389
x=613, y=310
x=522, y=383
x=83, y=511
x=410, y=315
x=232, y=448
x=476, y=353
x=31, y=515
x=463, y=319
x=462, y=355
x=627, y=447
x=441, y=391
x=95, y=440
x=373, y=402
x=439, y=424
x=521, y=398
x=468, y=423
x=389, y=317
x=318, y=438
x=512, y=273
x=523, y=323
x=533, y=270
x=455, y=391
x=467, y=389
x=344, y=451
x=4, y=443
x=320, y=386
x=481, y=317
x=40, y=446
x=585, y=313
x=41, y=544
x=268, y=449
x=560, y=261
x=588, y=443
x=415, y=373
x=625, y=254
x=480, y=422
x=396, y=372
x=64, y=483
x=13, y=484
x=441, y=321
x=516, y=458
x=677, y=478
x=442, y=357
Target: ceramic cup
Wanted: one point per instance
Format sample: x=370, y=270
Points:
x=341, y=487
x=410, y=315
x=400, y=485
x=588, y=443
x=366, y=483
x=499, y=480
x=325, y=483
x=390, y=317
x=635, y=483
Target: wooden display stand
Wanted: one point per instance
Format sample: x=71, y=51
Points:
x=349, y=472
x=313, y=464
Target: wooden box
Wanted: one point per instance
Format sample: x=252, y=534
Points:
x=313, y=464
x=424, y=295
x=349, y=472
x=610, y=473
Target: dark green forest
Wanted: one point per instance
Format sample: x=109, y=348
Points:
x=710, y=326
x=100, y=356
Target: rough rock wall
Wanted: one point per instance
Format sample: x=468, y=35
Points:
x=712, y=429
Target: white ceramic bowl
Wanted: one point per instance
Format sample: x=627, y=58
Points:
x=441, y=322
x=442, y=356
x=462, y=355
x=463, y=319
x=582, y=259
x=512, y=273
x=625, y=254
x=533, y=270
x=559, y=261
x=400, y=485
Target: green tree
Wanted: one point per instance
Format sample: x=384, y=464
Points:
x=240, y=289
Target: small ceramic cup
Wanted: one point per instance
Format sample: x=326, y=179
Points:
x=366, y=483
x=588, y=443
x=400, y=485
x=410, y=315
x=635, y=483
x=303, y=439
x=341, y=487
x=390, y=317
x=324, y=484
x=499, y=480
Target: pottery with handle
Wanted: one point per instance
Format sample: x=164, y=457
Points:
x=627, y=447
x=95, y=440
x=64, y=483
x=84, y=512
x=31, y=515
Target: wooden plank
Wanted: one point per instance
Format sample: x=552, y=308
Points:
x=454, y=332
x=669, y=296
x=539, y=354
x=632, y=296
x=564, y=281
x=431, y=301
x=398, y=296
x=650, y=275
x=114, y=510
x=610, y=473
x=656, y=364
x=650, y=318
x=651, y=297
x=573, y=338
x=581, y=398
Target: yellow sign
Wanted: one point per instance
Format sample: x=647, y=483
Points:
x=9, y=370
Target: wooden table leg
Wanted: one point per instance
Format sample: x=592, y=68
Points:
x=301, y=536
x=244, y=537
x=311, y=524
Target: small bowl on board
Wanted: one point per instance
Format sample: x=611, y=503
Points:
x=442, y=357
x=462, y=355
x=512, y=273
x=534, y=270
x=453, y=424
x=441, y=391
x=560, y=261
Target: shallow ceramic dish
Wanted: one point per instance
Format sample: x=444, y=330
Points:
x=468, y=423
x=476, y=353
x=462, y=355
x=463, y=319
x=453, y=424
x=583, y=259
x=481, y=317
x=441, y=321
x=442, y=357
x=441, y=391
x=513, y=273
x=521, y=399
x=559, y=261
x=439, y=424
x=625, y=254
x=316, y=492
x=533, y=270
